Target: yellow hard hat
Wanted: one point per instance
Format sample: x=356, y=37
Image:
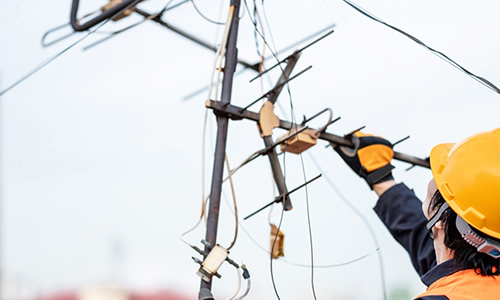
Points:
x=468, y=176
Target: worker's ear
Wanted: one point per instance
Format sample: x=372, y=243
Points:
x=439, y=225
x=438, y=231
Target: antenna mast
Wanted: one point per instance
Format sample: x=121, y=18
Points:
x=220, y=147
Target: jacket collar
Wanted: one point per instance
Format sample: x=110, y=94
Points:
x=439, y=271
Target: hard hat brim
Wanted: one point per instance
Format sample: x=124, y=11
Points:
x=438, y=160
x=436, y=156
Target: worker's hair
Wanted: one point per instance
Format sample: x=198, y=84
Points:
x=465, y=256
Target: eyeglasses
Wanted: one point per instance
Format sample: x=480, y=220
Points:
x=483, y=245
x=436, y=217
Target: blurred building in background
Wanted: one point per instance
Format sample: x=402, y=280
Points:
x=112, y=293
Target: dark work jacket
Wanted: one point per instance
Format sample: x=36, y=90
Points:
x=401, y=212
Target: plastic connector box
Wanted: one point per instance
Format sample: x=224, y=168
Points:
x=212, y=263
x=299, y=143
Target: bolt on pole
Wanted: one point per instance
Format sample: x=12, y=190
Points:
x=231, y=59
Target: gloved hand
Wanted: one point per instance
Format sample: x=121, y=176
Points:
x=370, y=158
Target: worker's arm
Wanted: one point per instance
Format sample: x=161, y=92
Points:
x=398, y=207
x=401, y=212
x=380, y=188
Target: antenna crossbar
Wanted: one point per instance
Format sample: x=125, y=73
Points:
x=237, y=113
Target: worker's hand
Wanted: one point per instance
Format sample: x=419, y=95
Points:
x=370, y=158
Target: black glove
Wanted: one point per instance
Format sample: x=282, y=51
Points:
x=370, y=158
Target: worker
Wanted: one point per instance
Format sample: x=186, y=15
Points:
x=453, y=236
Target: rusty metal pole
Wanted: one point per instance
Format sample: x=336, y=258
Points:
x=268, y=140
x=231, y=59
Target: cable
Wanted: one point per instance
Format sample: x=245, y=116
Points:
x=51, y=59
x=292, y=119
x=263, y=54
x=365, y=221
x=334, y=265
x=277, y=234
x=217, y=28
x=203, y=16
x=308, y=224
x=254, y=21
x=269, y=27
x=262, y=36
x=239, y=284
x=291, y=262
x=44, y=44
x=114, y=33
x=272, y=206
x=219, y=54
x=439, y=54
x=203, y=203
x=246, y=291
x=303, y=168
x=271, y=255
x=218, y=60
x=235, y=206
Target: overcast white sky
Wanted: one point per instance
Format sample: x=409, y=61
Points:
x=100, y=152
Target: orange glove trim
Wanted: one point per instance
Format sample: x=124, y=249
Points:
x=375, y=156
x=360, y=134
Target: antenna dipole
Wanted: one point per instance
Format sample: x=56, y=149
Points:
x=231, y=59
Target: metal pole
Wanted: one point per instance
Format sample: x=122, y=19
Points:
x=268, y=140
x=222, y=127
x=292, y=60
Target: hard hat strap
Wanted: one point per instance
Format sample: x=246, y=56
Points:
x=483, y=245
